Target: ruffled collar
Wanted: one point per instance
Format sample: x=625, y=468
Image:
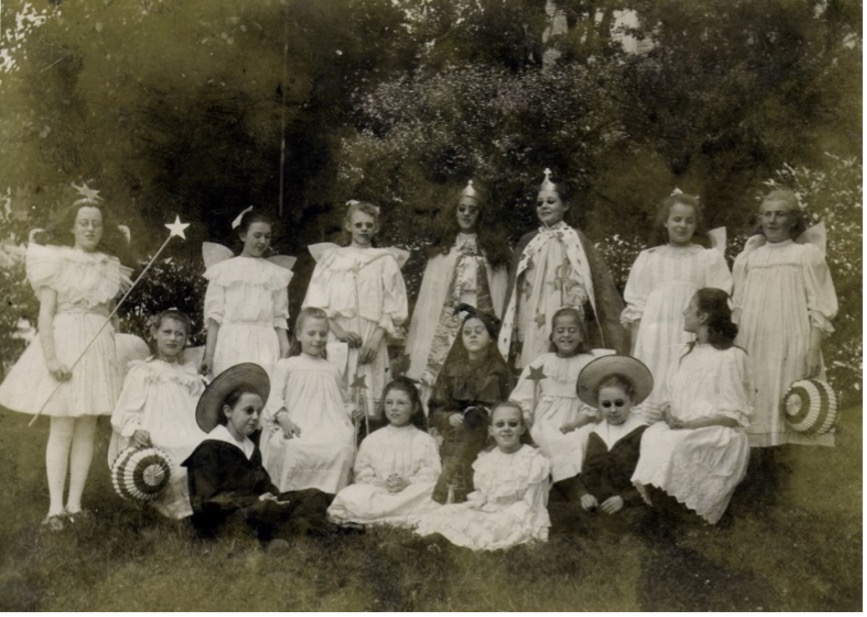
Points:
x=560, y=226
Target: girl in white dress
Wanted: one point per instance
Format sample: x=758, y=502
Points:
x=467, y=264
x=559, y=422
x=508, y=506
x=246, y=303
x=660, y=285
x=396, y=468
x=157, y=407
x=362, y=291
x=699, y=453
x=308, y=439
x=784, y=302
x=69, y=372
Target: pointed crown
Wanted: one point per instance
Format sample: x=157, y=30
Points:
x=470, y=191
x=547, y=185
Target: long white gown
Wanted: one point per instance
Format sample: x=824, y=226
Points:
x=700, y=467
x=160, y=397
x=85, y=284
x=360, y=289
x=508, y=507
x=661, y=283
x=248, y=297
x=311, y=389
x=554, y=402
x=782, y=290
x=406, y=451
x=463, y=275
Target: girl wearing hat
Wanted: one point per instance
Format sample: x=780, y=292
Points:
x=467, y=264
x=475, y=376
x=227, y=481
x=784, y=302
x=557, y=266
x=614, y=385
x=699, y=453
x=157, y=407
x=70, y=371
x=361, y=289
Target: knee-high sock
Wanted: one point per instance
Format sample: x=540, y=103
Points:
x=57, y=460
x=79, y=460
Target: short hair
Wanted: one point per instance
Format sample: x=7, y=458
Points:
x=616, y=380
x=232, y=399
x=177, y=315
x=353, y=206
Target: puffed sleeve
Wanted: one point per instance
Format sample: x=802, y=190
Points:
x=394, y=302
x=740, y=270
x=127, y=416
x=524, y=391
x=717, y=273
x=364, y=470
x=215, y=302
x=733, y=390
x=638, y=287
x=429, y=467
x=821, y=296
x=538, y=483
x=281, y=308
x=43, y=265
x=279, y=377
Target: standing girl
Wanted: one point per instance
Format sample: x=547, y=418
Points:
x=309, y=439
x=508, y=506
x=467, y=265
x=396, y=467
x=546, y=394
x=661, y=283
x=246, y=304
x=557, y=266
x=70, y=371
x=474, y=378
x=362, y=291
x=157, y=407
x=699, y=453
x=784, y=303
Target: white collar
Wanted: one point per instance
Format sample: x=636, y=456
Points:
x=221, y=433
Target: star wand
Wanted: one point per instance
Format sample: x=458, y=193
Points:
x=175, y=229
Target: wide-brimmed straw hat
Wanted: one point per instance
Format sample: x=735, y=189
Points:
x=632, y=370
x=210, y=406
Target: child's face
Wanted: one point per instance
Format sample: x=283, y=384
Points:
x=566, y=335
x=256, y=239
x=362, y=226
x=680, y=224
x=692, y=318
x=313, y=335
x=475, y=335
x=777, y=220
x=398, y=407
x=87, y=229
x=550, y=207
x=506, y=428
x=171, y=338
x=467, y=214
x=614, y=404
x=243, y=418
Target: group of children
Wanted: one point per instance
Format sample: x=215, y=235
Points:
x=608, y=429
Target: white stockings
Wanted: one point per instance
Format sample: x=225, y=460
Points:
x=70, y=448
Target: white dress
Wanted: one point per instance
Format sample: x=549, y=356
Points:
x=311, y=390
x=160, y=398
x=248, y=297
x=360, y=289
x=463, y=275
x=700, y=467
x=406, y=451
x=508, y=507
x=86, y=284
x=782, y=290
x=661, y=283
x=554, y=402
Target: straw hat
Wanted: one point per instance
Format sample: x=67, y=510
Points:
x=634, y=371
x=210, y=406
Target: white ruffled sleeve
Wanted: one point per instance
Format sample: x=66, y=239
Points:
x=538, y=483
x=394, y=302
x=129, y=410
x=215, y=302
x=429, y=467
x=364, y=470
x=717, y=273
x=281, y=308
x=524, y=391
x=733, y=386
x=636, y=291
x=739, y=281
x=279, y=377
x=821, y=296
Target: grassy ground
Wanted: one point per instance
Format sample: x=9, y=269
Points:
x=793, y=543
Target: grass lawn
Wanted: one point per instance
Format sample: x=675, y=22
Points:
x=794, y=544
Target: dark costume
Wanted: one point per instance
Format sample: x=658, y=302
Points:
x=225, y=487
x=462, y=387
x=608, y=473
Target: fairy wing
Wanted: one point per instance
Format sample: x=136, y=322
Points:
x=214, y=253
x=816, y=235
x=284, y=261
x=718, y=239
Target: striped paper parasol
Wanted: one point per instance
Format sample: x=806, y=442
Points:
x=141, y=474
x=810, y=407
